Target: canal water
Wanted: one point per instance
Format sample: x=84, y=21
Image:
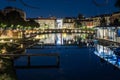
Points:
x=76, y=63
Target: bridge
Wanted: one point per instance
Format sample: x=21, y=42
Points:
x=32, y=33
x=48, y=31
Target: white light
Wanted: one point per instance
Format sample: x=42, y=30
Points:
x=11, y=40
x=69, y=42
x=2, y=40
x=75, y=30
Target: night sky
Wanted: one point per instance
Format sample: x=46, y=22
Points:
x=62, y=8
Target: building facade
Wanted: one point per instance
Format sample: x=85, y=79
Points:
x=59, y=22
x=46, y=23
x=68, y=22
x=114, y=16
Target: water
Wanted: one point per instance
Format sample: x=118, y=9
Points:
x=76, y=63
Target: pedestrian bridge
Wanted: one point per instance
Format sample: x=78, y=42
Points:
x=48, y=31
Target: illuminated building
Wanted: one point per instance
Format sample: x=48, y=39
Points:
x=46, y=23
x=69, y=22
x=59, y=23
x=115, y=15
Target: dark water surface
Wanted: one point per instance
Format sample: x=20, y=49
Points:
x=75, y=64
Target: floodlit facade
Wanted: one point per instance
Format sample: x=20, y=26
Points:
x=108, y=33
x=69, y=22
x=59, y=23
x=46, y=23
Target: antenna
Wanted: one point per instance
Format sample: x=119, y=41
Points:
x=11, y=0
x=27, y=5
x=100, y=4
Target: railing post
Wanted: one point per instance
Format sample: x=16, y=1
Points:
x=58, y=60
x=28, y=61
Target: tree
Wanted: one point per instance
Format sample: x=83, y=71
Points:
x=103, y=21
x=116, y=22
x=80, y=16
x=117, y=4
x=78, y=24
x=1, y=17
x=10, y=20
x=14, y=18
x=33, y=24
x=2, y=21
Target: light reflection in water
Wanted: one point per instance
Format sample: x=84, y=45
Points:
x=107, y=54
x=59, y=39
x=62, y=38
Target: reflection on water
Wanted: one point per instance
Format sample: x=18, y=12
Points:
x=75, y=64
x=108, y=55
x=61, y=38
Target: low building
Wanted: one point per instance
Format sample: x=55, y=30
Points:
x=87, y=22
x=114, y=16
x=101, y=20
x=59, y=23
x=69, y=22
x=46, y=23
x=96, y=20
x=111, y=33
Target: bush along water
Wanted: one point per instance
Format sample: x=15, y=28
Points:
x=7, y=71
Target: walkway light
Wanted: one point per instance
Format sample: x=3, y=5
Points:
x=50, y=31
x=11, y=40
x=2, y=41
x=67, y=30
x=75, y=30
x=63, y=30
x=69, y=42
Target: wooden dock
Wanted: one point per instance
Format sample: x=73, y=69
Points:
x=29, y=55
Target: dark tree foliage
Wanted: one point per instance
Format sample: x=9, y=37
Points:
x=80, y=16
x=78, y=24
x=117, y=4
x=103, y=22
x=116, y=22
x=33, y=23
x=2, y=17
x=14, y=18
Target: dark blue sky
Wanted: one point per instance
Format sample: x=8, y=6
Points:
x=62, y=8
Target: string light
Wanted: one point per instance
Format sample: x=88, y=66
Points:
x=100, y=4
x=24, y=3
